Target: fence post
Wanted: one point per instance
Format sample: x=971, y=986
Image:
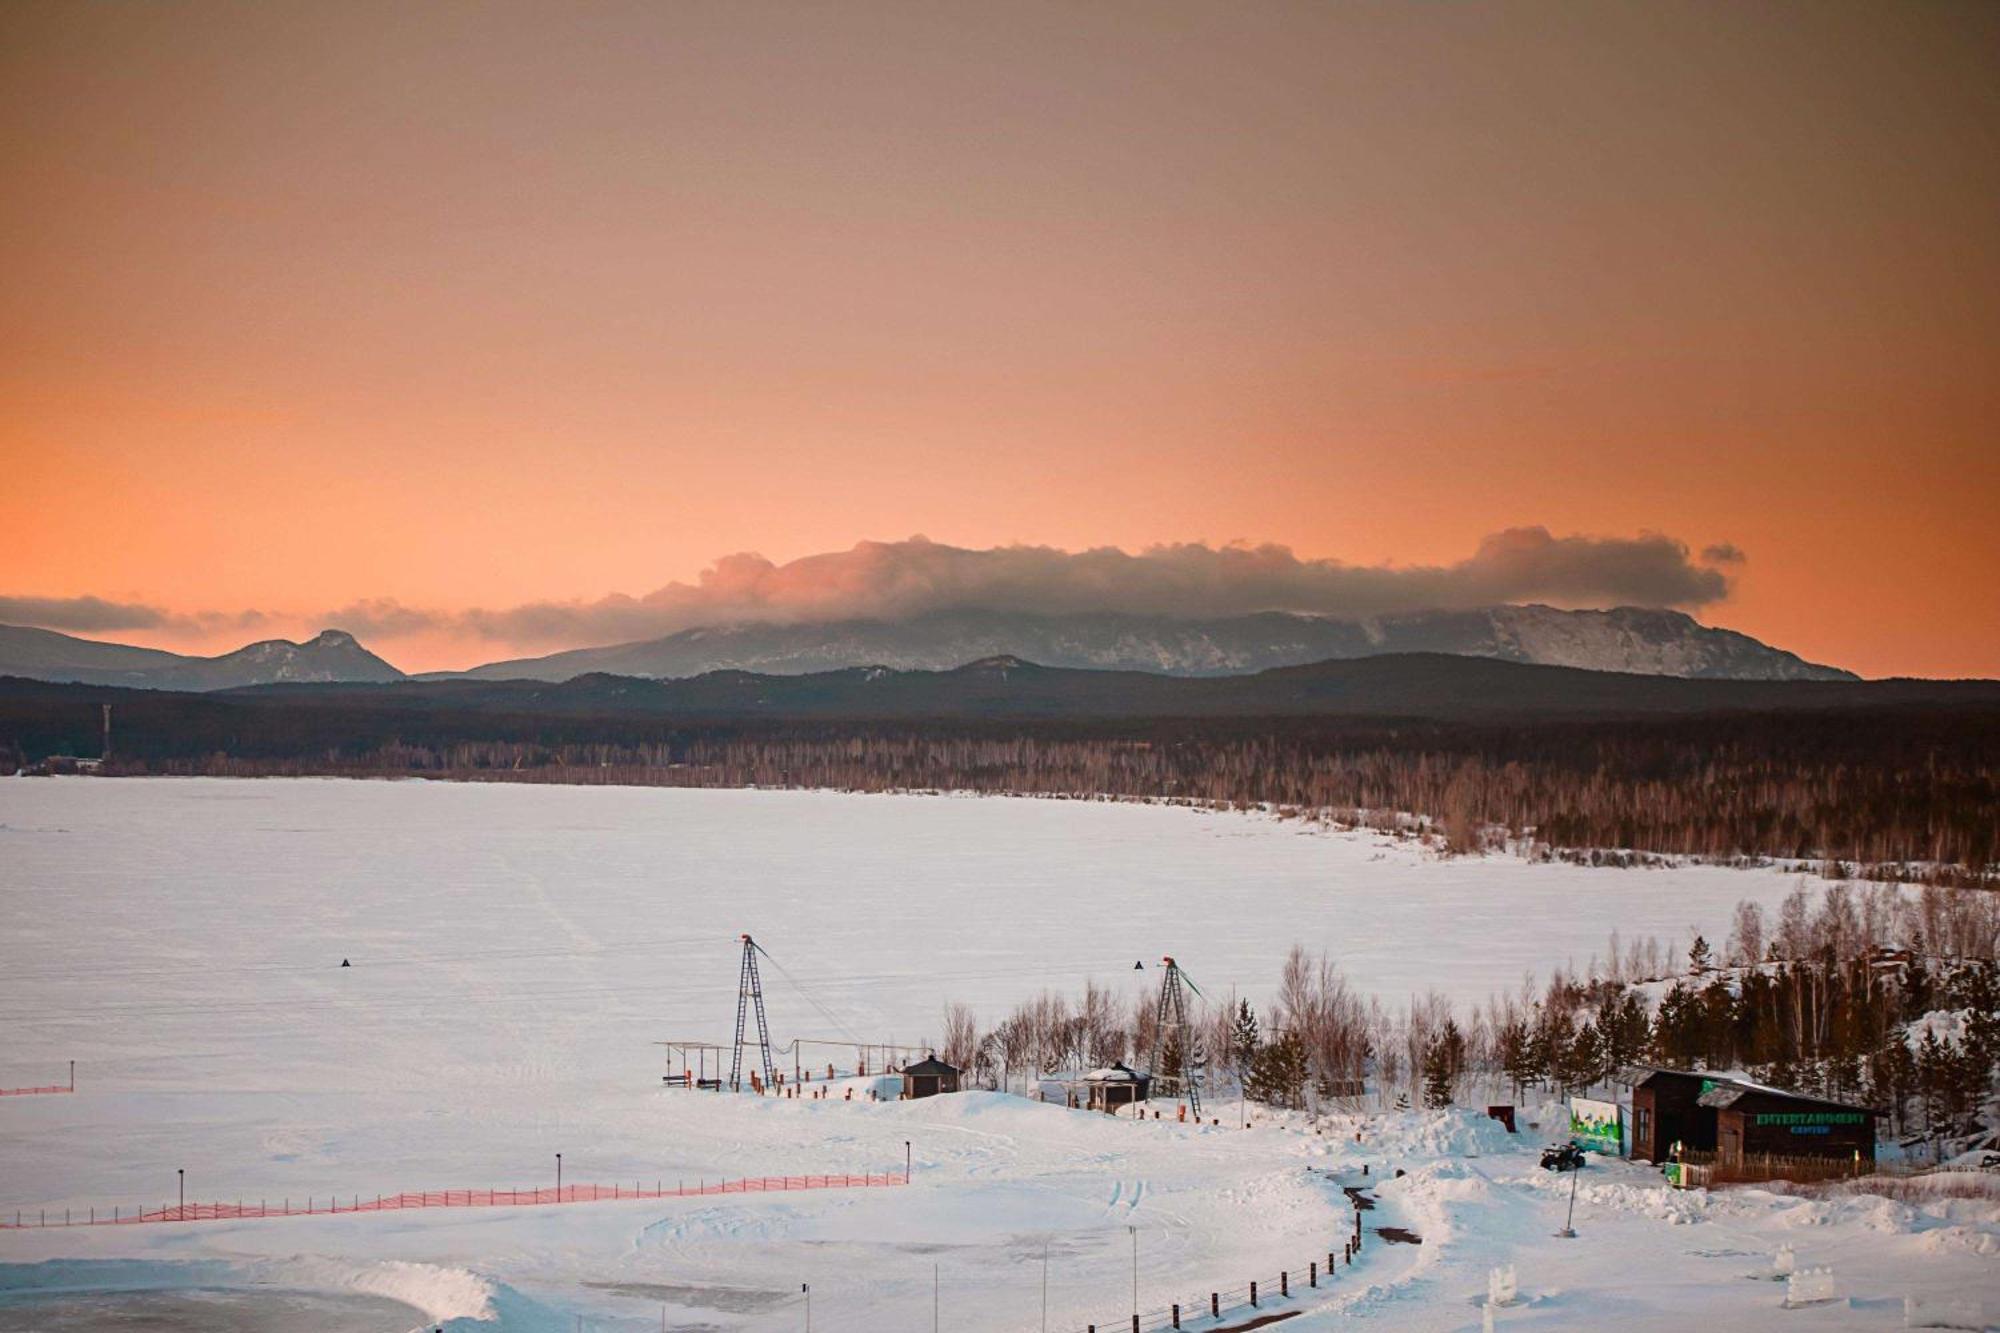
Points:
x=1177, y=1315
x=1284, y=1283
x=1135, y=1324
x=1312, y=1273
x=1253, y=1291
x=1215, y=1305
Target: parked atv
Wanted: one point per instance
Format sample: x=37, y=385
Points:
x=1562, y=1157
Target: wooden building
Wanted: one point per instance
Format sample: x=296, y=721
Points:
x=1729, y=1121
x=928, y=1077
x=1115, y=1086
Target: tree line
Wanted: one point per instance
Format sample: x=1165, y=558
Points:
x=1892, y=794
x=1875, y=995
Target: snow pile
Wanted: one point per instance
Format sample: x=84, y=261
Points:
x=440, y=1293
x=1451, y=1132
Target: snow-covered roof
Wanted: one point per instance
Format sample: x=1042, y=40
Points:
x=1731, y=1085
x=1111, y=1074
x=1727, y=1094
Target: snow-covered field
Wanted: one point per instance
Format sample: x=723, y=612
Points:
x=516, y=950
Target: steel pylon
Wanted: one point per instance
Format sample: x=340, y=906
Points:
x=1172, y=1020
x=749, y=997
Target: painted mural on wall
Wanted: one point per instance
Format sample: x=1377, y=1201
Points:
x=1597, y=1126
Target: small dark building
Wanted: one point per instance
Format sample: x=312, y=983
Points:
x=1701, y=1113
x=1666, y=1113
x=1116, y=1086
x=1751, y=1122
x=928, y=1077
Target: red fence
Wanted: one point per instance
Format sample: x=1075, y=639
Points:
x=316, y=1206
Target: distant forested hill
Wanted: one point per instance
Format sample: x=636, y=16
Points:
x=1899, y=775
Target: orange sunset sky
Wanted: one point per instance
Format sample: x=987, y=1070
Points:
x=391, y=312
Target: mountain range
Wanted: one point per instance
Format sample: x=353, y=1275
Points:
x=1437, y=686
x=1625, y=639
x=1630, y=639
x=331, y=655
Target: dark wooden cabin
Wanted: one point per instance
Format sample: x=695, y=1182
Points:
x=1702, y=1113
x=928, y=1077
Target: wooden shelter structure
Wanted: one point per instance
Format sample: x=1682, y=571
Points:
x=1114, y=1086
x=929, y=1077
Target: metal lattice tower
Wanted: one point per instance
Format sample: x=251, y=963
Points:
x=1173, y=1019
x=749, y=996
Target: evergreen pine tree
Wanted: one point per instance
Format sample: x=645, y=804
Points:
x=1515, y=1059
x=1278, y=1074
x=1700, y=958
x=1244, y=1042
x=1437, y=1076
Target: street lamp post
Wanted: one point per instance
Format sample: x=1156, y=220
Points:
x=906, y=1161
x=180, y=1213
x=1135, y=1271
x=558, y=1177
x=807, y=1288
x=1045, y=1284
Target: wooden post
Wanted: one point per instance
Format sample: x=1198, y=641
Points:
x=1214, y=1305
x=1312, y=1273
x=1284, y=1283
x=1253, y=1291
x=1177, y=1315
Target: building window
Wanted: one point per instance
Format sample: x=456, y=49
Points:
x=1642, y=1126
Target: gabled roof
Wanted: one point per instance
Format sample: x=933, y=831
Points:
x=1727, y=1089
x=1726, y=1094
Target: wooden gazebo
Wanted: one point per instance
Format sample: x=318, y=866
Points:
x=928, y=1077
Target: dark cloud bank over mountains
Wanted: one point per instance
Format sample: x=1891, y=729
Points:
x=1190, y=610
x=897, y=581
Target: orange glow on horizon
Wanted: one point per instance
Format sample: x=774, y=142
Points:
x=480, y=305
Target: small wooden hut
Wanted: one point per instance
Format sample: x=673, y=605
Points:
x=928, y=1077
x=1115, y=1086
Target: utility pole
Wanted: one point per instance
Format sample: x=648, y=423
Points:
x=558, y=1177
x=934, y=1298
x=807, y=1288
x=906, y=1161
x=180, y=1213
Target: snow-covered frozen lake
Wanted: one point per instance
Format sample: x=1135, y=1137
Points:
x=232, y=903
x=515, y=952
